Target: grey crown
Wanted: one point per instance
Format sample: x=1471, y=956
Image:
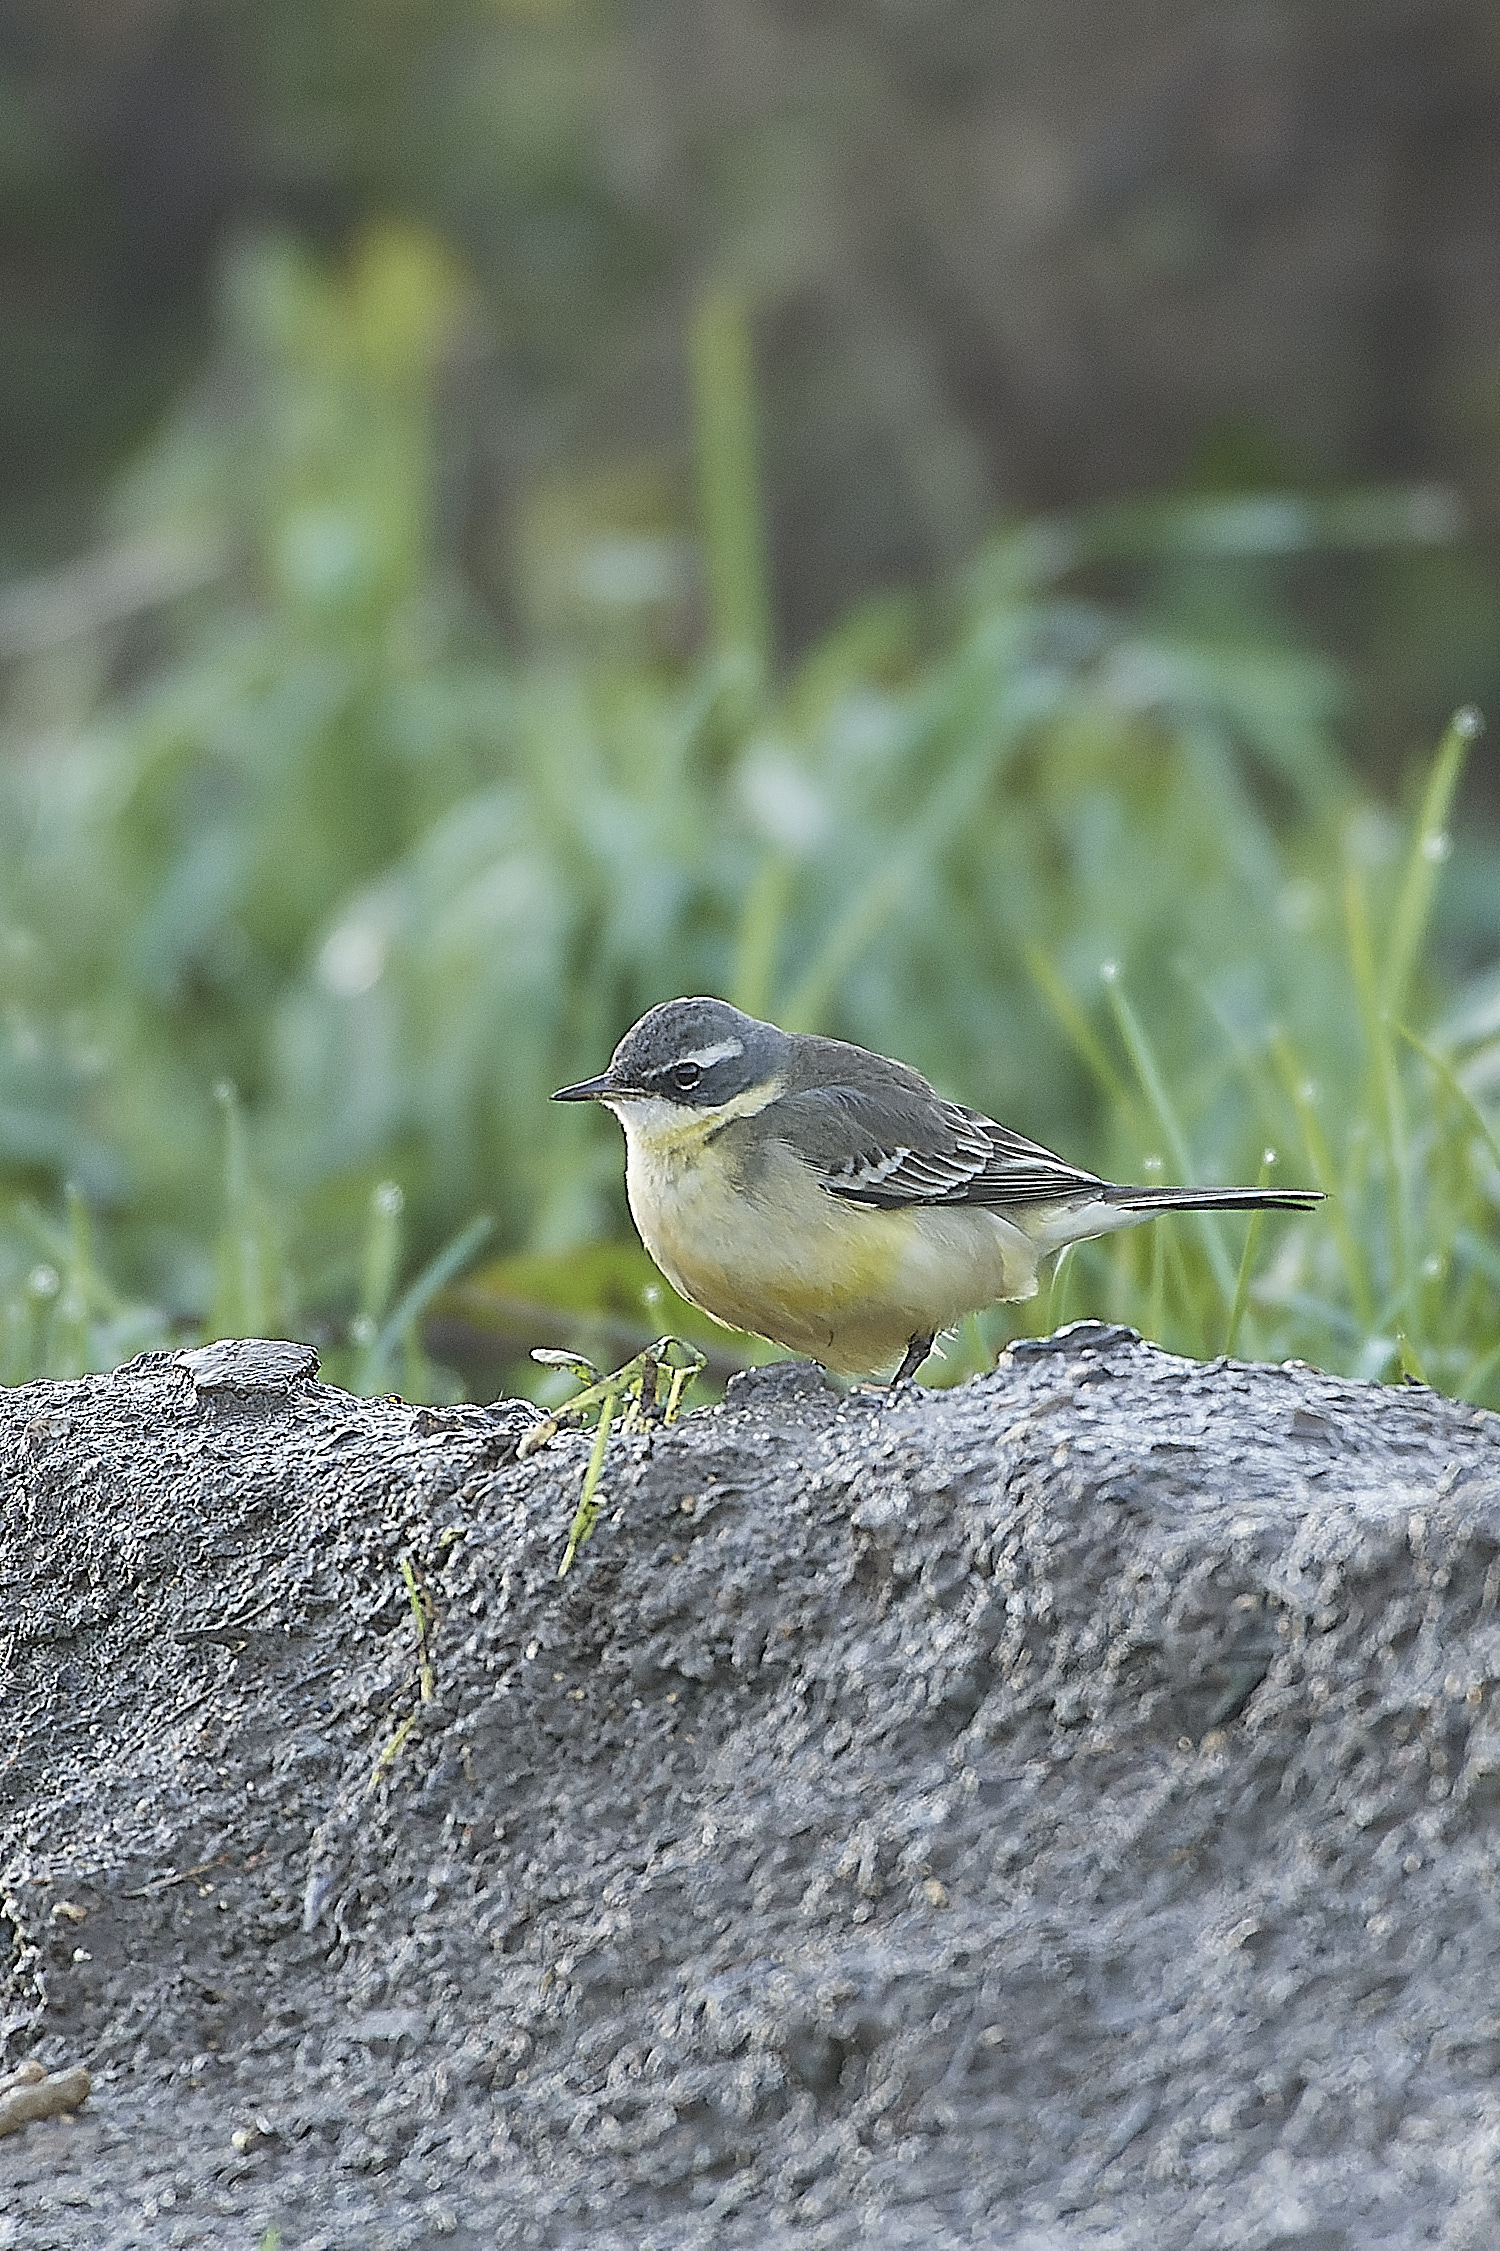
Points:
x=680, y=1038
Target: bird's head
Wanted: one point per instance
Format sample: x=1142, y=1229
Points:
x=694, y=1055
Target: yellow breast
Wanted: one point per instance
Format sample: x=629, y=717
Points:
x=782, y=1257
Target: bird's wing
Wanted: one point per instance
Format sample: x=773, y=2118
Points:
x=898, y=1148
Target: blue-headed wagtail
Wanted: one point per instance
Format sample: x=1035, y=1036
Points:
x=831, y=1200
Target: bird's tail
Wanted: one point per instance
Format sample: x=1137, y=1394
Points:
x=1149, y=1200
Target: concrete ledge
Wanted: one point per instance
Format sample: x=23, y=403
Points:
x=1058, y=1812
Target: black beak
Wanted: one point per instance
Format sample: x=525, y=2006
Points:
x=587, y=1090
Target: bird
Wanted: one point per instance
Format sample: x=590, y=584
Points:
x=830, y=1200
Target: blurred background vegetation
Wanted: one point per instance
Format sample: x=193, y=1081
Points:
x=960, y=526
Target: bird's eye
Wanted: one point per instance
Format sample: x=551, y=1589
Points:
x=686, y=1075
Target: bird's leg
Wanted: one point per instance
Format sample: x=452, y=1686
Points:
x=916, y=1353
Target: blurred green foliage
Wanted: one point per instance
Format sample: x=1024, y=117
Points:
x=310, y=893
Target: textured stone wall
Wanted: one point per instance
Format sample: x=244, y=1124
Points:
x=1059, y=1811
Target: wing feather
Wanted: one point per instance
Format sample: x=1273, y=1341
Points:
x=897, y=1147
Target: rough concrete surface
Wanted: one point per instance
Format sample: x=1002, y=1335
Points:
x=1059, y=1812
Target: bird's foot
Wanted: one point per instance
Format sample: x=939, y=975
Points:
x=916, y=1352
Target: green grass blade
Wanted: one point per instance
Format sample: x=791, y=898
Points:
x=1057, y=1289
x=1479, y=1375
x=729, y=488
x=1247, y=1260
x=1449, y=1079
x=409, y=1309
x=758, y=939
x=382, y=1252
x=943, y=819
x=861, y=921
x=1474, y=1252
x=586, y=1515
x=1384, y=1074
x=1157, y=1294
x=245, y=1299
x=1080, y=1033
x=1407, y=1358
x=1297, y=1082
x=1138, y=1048
x=1428, y=850
x=71, y=1338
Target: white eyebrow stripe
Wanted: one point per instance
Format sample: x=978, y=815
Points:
x=719, y=1053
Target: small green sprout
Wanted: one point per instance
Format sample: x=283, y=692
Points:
x=652, y=1386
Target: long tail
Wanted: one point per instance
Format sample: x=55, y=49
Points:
x=1146, y=1200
